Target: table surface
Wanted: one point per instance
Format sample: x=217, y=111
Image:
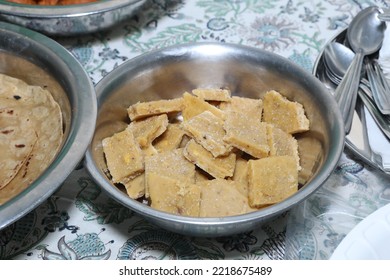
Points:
x=81, y=222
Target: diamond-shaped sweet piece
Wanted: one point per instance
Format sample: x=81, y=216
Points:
x=282, y=143
x=222, y=198
x=240, y=175
x=170, y=139
x=247, y=134
x=283, y=113
x=135, y=187
x=194, y=106
x=146, y=109
x=171, y=164
x=123, y=155
x=212, y=94
x=146, y=130
x=310, y=153
x=207, y=129
x=271, y=180
x=248, y=106
x=218, y=167
x=173, y=196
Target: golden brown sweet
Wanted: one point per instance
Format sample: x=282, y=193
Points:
x=146, y=130
x=282, y=143
x=207, y=129
x=194, y=106
x=146, y=109
x=221, y=198
x=170, y=139
x=218, y=156
x=218, y=167
x=271, y=180
x=247, y=134
x=284, y=114
x=248, y=106
x=123, y=155
x=172, y=164
x=212, y=94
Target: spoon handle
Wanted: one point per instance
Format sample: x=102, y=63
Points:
x=382, y=78
x=346, y=92
x=382, y=121
x=385, y=15
x=381, y=98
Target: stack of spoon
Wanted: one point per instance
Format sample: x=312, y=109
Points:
x=371, y=86
x=344, y=65
x=337, y=58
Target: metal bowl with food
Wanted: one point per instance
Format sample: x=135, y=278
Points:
x=69, y=20
x=47, y=118
x=168, y=76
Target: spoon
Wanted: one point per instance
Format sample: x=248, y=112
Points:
x=365, y=36
x=337, y=58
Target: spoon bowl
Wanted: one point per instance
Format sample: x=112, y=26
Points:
x=338, y=58
x=366, y=32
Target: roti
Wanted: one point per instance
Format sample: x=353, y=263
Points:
x=17, y=140
x=31, y=134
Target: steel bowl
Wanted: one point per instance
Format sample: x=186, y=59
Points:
x=246, y=71
x=38, y=60
x=69, y=20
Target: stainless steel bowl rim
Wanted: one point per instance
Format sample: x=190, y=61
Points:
x=329, y=165
x=37, y=11
x=81, y=131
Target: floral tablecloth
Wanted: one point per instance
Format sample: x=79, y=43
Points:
x=81, y=222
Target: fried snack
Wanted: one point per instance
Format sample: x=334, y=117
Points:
x=212, y=94
x=284, y=114
x=123, y=155
x=194, y=106
x=207, y=129
x=218, y=167
x=146, y=109
x=271, y=180
x=36, y=106
x=247, y=134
